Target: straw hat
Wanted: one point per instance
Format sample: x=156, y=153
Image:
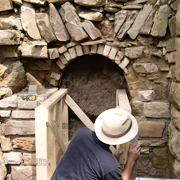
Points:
x=115, y=126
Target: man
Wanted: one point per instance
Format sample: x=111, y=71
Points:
x=88, y=156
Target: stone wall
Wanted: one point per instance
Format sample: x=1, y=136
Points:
x=141, y=37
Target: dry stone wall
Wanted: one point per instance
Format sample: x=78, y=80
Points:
x=46, y=35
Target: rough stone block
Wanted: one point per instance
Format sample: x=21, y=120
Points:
x=22, y=104
x=152, y=143
x=29, y=159
x=147, y=95
x=9, y=51
x=134, y=52
x=171, y=45
x=137, y=108
x=60, y=64
x=112, y=53
x=157, y=109
x=118, y=57
x=151, y=129
x=25, y=143
x=53, y=53
x=67, y=56
x=13, y=127
x=12, y=158
x=3, y=170
x=5, y=113
x=106, y=50
x=9, y=102
x=124, y=63
x=20, y=114
x=86, y=49
x=72, y=53
x=6, y=5
x=62, y=49
x=63, y=59
x=54, y=82
x=171, y=57
x=79, y=50
x=100, y=49
x=145, y=67
x=38, y=2
x=94, y=49
x=6, y=144
x=55, y=76
x=175, y=115
x=90, y=3
x=23, y=172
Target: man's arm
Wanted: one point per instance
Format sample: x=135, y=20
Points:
x=133, y=155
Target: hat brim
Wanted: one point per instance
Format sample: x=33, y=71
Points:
x=115, y=141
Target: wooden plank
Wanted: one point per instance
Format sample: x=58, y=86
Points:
x=41, y=117
x=51, y=101
x=56, y=133
x=122, y=100
x=82, y=116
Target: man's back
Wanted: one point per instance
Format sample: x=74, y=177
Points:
x=87, y=158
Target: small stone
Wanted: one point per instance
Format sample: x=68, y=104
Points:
x=53, y=53
x=134, y=52
x=29, y=159
x=20, y=114
x=62, y=49
x=6, y=5
x=6, y=113
x=55, y=76
x=12, y=158
x=145, y=67
x=6, y=144
x=147, y=95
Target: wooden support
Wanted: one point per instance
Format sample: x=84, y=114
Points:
x=82, y=116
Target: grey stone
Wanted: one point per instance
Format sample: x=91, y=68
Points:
x=22, y=104
x=6, y=144
x=10, y=37
x=6, y=5
x=171, y=44
x=176, y=96
x=18, y=127
x=38, y=2
x=123, y=30
x=18, y=2
x=15, y=79
x=5, y=113
x=23, y=172
x=133, y=7
x=91, y=16
x=157, y=109
x=176, y=168
x=12, y=158
x=139, y=21
x=53, y=53
x=145, y=67
x=152, y=143
x=177, y=30
x=95, y=3
x=174, y=139
x=45, y=28
x=134, y=52
x=34, y=49
x=177, y=62
x=57, y=1
x=146, y=95
x=172, y=26
x=135, y=2
x=9, y=102
x=175, y=116
x=29, y=159
x=10, y=22
x=119, y=20
x=161, y=21
x=9, y=51
x=3, y=170
x=28, y=21
x=57, y=24
x=91, y=30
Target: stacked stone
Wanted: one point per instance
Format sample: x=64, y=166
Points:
x=140, y=36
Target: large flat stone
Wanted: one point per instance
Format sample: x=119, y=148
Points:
x=145, y=67
x=12, y=157
x=38, y=2
x=3, y=170
x=29, y=159
x=10, y=37
x=9, y=51
x=95, y=3
x=13, y=127
x=29, y=22
x=157, y=109
x=6, y=5
x=22, y=114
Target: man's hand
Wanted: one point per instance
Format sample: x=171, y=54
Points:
x=134, y=153
x=117, y=153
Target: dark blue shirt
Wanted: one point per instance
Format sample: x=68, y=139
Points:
x=87, y=158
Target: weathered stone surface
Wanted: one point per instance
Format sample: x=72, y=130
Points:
x=13, y=127
x=9, y=102
x=57, y=24
x=3, y=170
x=145, y=67
x=43, y=23
x=6, y=5
x=53, y=53
x=174, y=140
x=25, y=143
x=146, y=27
x=140, y=19
x=10, y=37
x=5, y=113
x=34, y=49
x=57, y=1
x=18, y=2
x=176, y=168
x=9, y=51
x=38, y=2
x=177, y=30
x=28, y=21
x=62, y=49
x=123, y=30
x=175, y=117
x=23, y=172
x=15, y=79
x=172, y=26
x=4, y=93
x=134, y=52
x=91, y=15
x=171, y=44
x=176, y=96
x=147, y=95
x=6, y=144
x=135, y=2
x=161, y=21
x=12, y=158
x=95, y=3
x=79, y=50
x=22, y=104
x=137, y=108
x=133, y=7
x=157, y=109
x=63, y=59
x=123, y=64
x=55, y=76
x=151, y=129
x=29, y=159
x=159, y=159
x=171, y=57
x=119, y=20
x=10, y=22
x=177, y=62
x=118, y=57
x=20, y=114
x=152, y=143
x=92, y=31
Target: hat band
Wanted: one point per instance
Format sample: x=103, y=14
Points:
x=118, y=135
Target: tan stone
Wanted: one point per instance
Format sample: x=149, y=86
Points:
x=152, y=143
x=137, y=108
x=6, y=144
x=22, y=104
x=151, y=129
x=25, y=143
x=12, y=158
x=94, y=49
x=20, y=114
x=54, y=82
x=6, y=5
x=29, y=159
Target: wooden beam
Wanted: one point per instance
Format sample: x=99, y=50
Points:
x=77, y=110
